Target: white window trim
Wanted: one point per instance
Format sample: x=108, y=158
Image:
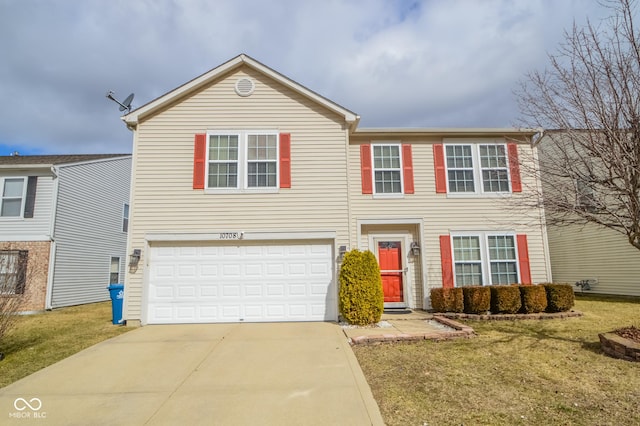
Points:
x=120, y=275
x=373, y=170
x=484, y=252
x=126, y=207
x=477, y=169
x=243, y=162
x=24, y=196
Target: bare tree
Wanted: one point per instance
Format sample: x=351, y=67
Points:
x=13, y=269
x=590, y=165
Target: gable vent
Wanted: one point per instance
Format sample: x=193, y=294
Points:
x=245, y=86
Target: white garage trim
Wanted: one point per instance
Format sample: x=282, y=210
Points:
x=249, y=236
x=236, y=281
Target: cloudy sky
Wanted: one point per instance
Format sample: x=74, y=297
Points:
x=431, y=63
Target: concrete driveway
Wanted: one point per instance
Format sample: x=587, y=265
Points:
x=280, y=374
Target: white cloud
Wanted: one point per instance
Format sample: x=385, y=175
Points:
x=396, y=63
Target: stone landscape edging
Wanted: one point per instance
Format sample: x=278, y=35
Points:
x=619, y=347
x=508, y=317
x=461, y=331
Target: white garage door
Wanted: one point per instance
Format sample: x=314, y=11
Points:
x=225, y=282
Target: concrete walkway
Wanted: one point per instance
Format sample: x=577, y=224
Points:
x=412, y=326
x=228, y=374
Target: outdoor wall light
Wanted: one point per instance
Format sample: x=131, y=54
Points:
x=341, y=252
x=134, y=259
x=415, y=249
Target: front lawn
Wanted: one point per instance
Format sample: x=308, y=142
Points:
x=514, y=372
x=44, y=339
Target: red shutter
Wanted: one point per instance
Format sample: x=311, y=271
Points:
x=523, y=259
x=447, y=261
x=365, y=168
x=199, y=156
x=285, y=160
x=441, y=176
x=514, y=167
x=407, y=168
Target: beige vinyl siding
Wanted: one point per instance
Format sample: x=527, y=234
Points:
x=163, y=200
x=37, y=228
x=443, y=213
x=588, y=252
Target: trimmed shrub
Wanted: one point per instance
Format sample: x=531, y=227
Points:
x=361, y=298
x=560, y=297
x=534, y=298
x=505, y=299
x=447, y=299
x=477, y=299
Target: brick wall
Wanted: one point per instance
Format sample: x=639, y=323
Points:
x=35, y=291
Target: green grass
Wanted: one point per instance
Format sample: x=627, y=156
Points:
x=43, y=339
x=529, y=372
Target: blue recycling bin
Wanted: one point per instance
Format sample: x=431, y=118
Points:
x=116, y=291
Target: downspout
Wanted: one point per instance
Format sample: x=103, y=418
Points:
x=52, y=247
x=348, y=131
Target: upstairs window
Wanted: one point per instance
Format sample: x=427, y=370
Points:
x=495, y=171
x=243, y=160
x=387, y=169
x=223, y=161
x=478, y=168
x=13, y=194
x=460, y=168
x=262, y=161
x=125, y=218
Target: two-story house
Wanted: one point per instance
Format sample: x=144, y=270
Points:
x=63, y=227
x=247, y=188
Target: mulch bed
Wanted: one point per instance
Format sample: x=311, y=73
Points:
x=631, y=333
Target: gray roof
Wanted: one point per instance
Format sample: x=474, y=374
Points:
x=53, y=159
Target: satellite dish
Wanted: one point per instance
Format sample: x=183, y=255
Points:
x=125, y=105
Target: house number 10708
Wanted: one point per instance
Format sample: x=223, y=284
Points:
x=229, y=235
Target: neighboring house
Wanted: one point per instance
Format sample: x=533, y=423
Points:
x=63, y=227
x=247, y=187
x=601, y=257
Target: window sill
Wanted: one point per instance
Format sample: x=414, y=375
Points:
x=479, y=194
x=391, y=196
x=242, y=191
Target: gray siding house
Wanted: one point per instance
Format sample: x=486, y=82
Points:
x=63, y=227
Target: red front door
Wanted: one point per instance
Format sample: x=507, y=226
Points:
x=390, y=259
